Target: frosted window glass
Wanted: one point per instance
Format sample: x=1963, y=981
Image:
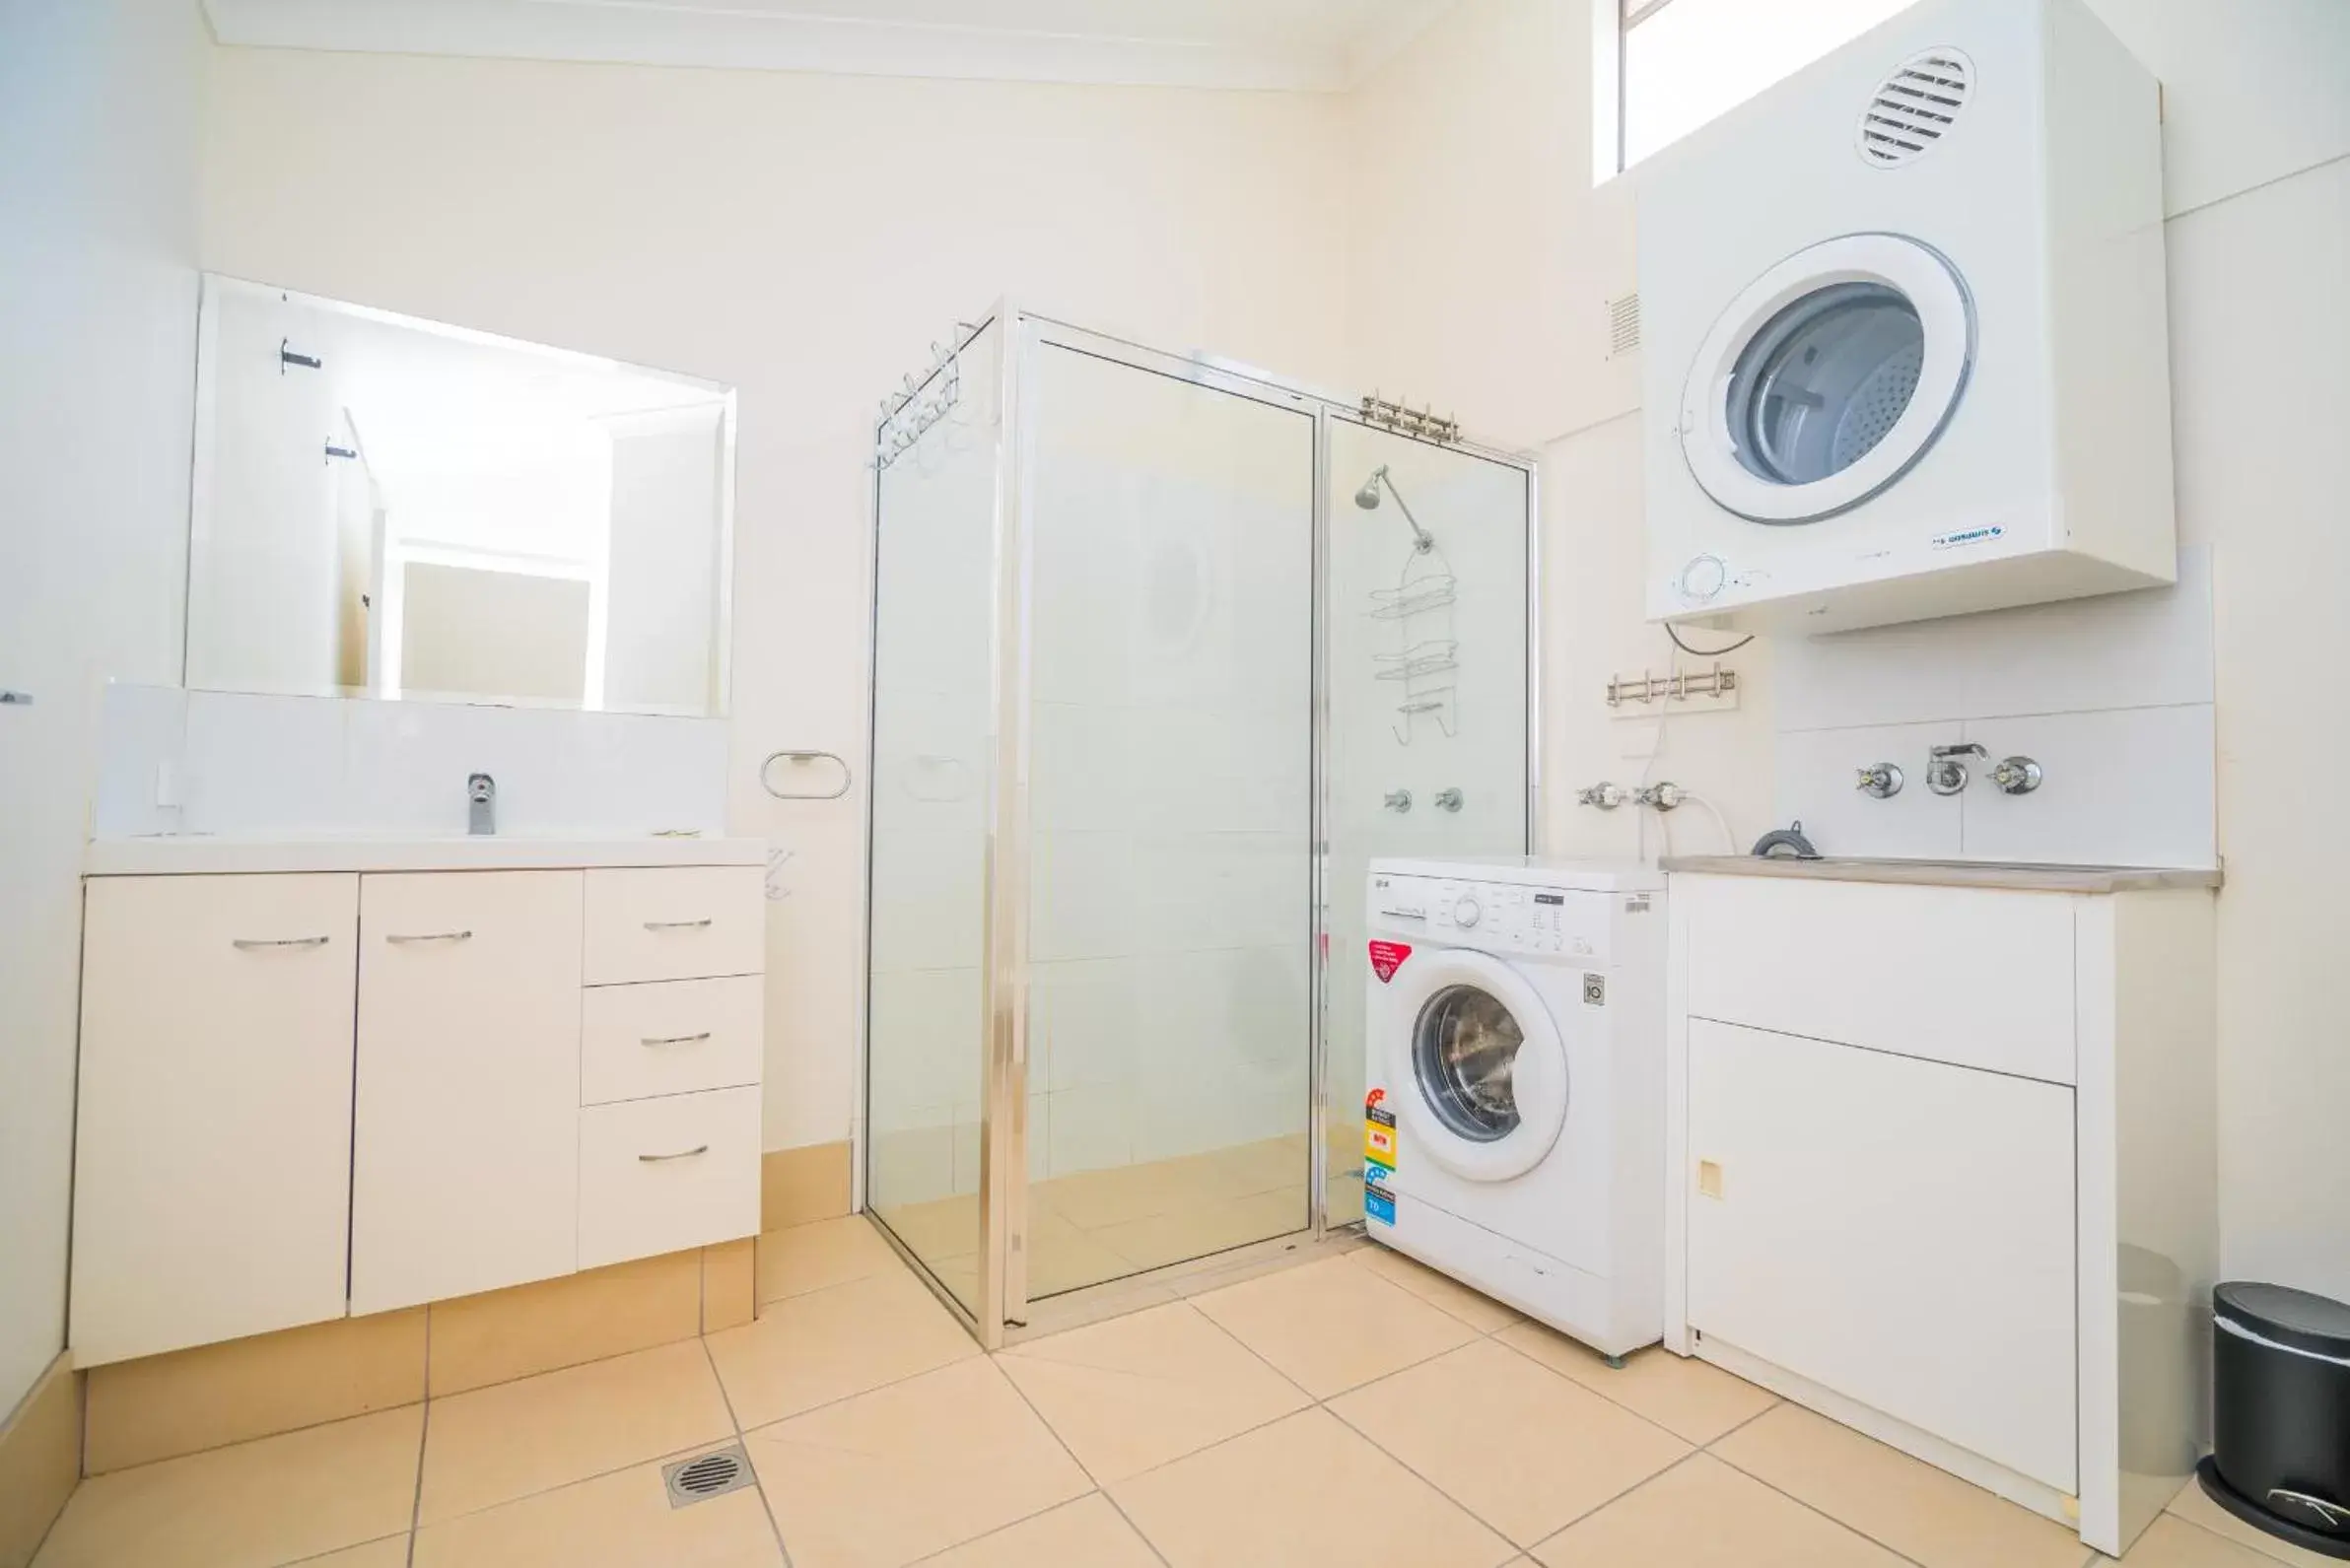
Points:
x=1691, y=60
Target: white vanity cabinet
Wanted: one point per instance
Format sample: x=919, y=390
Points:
x=1940, y=1163
x=306, y=1092
x=464, y=1157
x=213, y=1142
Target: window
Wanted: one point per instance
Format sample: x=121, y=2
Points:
x=1661, y=68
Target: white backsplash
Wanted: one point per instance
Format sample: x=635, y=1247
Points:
x=241, y=764
x=2112, y=697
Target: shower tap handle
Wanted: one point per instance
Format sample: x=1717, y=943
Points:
x=1399, y=800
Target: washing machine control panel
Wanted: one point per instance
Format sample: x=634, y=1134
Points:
x=1497, y=916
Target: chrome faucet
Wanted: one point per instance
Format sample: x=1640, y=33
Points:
x=481, y=814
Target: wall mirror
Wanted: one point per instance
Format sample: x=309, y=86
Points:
x=387, y=507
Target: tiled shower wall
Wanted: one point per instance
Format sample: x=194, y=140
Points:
x=2112, y=695
x=244, y=764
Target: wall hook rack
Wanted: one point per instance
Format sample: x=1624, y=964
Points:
x=1676, y=687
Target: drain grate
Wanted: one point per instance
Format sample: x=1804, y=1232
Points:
x=707, y=1475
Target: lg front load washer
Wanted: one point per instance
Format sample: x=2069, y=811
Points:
x=1514, y=1126
x=1905, y=350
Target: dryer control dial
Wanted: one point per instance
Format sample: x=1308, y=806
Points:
x=1467, y=912
x=1704, y=579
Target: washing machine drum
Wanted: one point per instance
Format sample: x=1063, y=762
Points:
x=1828, y=378
x=1486, y=1066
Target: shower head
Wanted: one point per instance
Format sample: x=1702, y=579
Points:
x=1368, y=497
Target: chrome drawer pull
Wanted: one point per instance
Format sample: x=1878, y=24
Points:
x=681, y=1154
x=432, y=936
x=677, y=1039
x=675, y=926
x=251, y=942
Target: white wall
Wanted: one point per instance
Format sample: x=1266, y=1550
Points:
x=801, y=239
x=1487, y=260
x=99, y=118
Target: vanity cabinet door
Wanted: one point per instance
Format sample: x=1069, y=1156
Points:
x=465, y=1153
x=1899, y=1232
x=212, y=1151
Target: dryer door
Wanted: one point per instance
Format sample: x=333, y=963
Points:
x=1828, y=378
x=1486, y=1066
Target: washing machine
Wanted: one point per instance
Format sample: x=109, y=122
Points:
x=1903, y=348
x=1513, y=1123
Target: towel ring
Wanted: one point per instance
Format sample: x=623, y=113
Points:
x=803, y=759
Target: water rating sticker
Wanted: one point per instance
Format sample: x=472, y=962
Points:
x=1378, y=1130
x=1379, y=1198
x=1387, y=958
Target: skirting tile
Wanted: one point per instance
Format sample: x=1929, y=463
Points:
x=504, y=1335
x=40, y=1460
x=159, y=1407
x=801, y=1184
x=729, y=1284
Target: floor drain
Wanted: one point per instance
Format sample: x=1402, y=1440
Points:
x=707, y=1475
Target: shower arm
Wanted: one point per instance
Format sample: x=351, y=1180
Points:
x=1422, y=540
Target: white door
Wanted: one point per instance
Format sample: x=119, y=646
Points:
x=1826, y=380
x=465, y=1153
x=1480, y=1071
x=213, y=1146
x=1897, y=1231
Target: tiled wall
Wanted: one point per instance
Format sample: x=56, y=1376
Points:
x=2112, y=697
x=239, y=763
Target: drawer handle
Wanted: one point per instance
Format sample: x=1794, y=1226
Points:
x=431, y=936
x=677, y=1039
x=681, y=1154
x=677, y=925
x=248, y=943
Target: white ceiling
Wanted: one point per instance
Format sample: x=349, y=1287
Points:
x=1299, y=45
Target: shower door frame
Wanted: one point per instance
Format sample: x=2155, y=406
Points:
x=1002, y=1288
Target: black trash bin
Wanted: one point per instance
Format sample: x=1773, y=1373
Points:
x=2280, y=1456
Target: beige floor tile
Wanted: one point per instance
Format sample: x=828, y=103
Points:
x=1924, y=1514
x=1522, y=1448
x=1702, y=1514
x=619, y=1521
x=830, y=1251
x=1332, y=1324
x=1121, y=1193
x=1202, y=1230
x=1305, y=1492
x=1691, y=1398
x=896, y=1474
x=256, y=1504
x=503, y=1334
x=1062, y=1258
x=943, y=1227
x=1135, y=1392
x=2172, y=1543
x=161, y=1407
x=389, y=1553
x=827, y=1344
x=1472, y=1307
x=2196, y=1508
x=1086, y=1534
x=493, y=1445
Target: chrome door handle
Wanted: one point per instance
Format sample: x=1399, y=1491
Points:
x=681, y=1154
x=430, y=937
x=677, y=925
x=251, y=942
x=676, y=1040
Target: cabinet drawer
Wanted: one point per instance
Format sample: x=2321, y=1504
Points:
x=659, y=1175
x=1972, y=977
x=669, y=1037
x=1899, y=1231
x=690, y=922
x=212, y=1164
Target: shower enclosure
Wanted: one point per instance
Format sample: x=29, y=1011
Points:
x=1165, y=651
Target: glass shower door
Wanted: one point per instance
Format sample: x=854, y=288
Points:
x=1170, y=516
x=1429, y=755
x=933, y=745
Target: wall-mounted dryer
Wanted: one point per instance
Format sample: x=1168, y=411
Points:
x=1905, y=346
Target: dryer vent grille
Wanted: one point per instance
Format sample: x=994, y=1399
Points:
x=1623, y=325
x=1915, y=108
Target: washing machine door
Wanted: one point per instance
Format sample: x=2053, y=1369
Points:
x=1484, y=1066
x=1828, y=378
